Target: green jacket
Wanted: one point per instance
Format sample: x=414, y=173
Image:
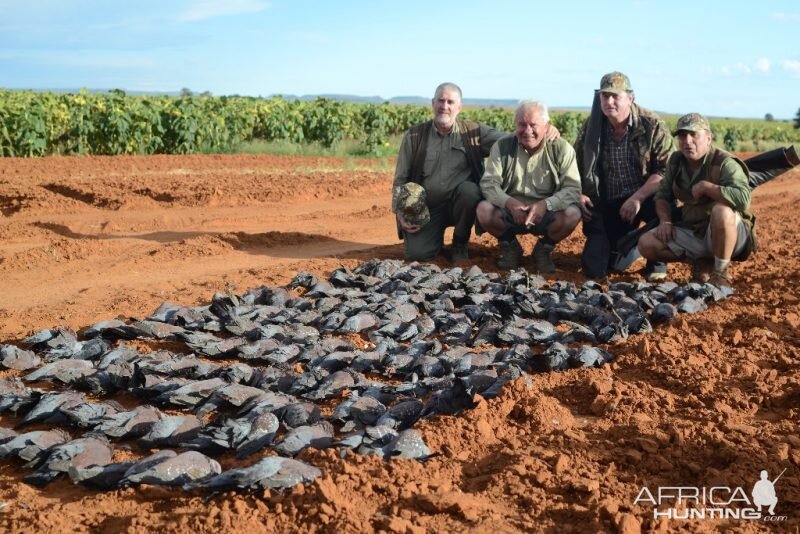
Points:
x=649, y=137
x=719, y=168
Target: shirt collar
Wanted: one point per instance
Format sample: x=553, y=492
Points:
x=706, y=160
x=453, y=130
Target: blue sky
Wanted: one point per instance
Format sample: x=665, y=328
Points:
x=719, y=58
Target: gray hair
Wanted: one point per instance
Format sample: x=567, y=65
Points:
x=450, y=86
x=525, y=105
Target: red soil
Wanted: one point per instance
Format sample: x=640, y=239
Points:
x=709, y=400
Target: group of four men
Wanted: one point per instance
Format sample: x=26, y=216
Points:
x=621, y=172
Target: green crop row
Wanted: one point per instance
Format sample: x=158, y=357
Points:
x=37, y=124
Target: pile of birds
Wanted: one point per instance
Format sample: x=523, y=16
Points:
x=377, y=348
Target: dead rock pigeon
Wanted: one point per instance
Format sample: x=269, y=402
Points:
x=65, y=371
x=272, y=472
x=81, y=452
x=407, y=444
x=31, y=446
x=185, y=468
x=318, y=436
x=171, y=430
x=12, y=357
x=130, y=424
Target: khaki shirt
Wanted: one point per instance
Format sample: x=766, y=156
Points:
x=446, y=165
x=532, y=178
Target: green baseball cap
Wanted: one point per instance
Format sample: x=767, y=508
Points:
x=691, y=122
x=615, y=82
x=411, y=204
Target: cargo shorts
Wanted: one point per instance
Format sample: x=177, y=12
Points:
x=685, y=244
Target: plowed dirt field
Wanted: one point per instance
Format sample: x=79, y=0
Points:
x=708, y=400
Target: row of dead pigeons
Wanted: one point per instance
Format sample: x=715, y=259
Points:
x=437, y=337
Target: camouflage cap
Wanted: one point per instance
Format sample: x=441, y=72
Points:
x=411, y=204
x=691, y=122
x=615, y=82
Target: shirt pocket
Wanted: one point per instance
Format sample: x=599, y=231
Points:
x=542, y=187
x=432, y=162
x=458, y=154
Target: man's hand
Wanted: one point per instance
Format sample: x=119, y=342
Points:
x=518, y=210
x=665, y=231
x=586, y=203
x=700, y=189
x=629, y=209
x=409, y=228
x=552, y=132
x=535, y=213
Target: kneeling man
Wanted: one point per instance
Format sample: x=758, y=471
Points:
x=531, y=185
x=715, y=219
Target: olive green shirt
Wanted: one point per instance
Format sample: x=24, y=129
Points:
x=541, y=175
x=733, y=184
x=446, y=165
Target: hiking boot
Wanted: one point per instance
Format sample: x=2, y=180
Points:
x=655, y=271
x=720, y=279
x=541, y=255
x=701, y=271
x=511, y=255
x=459, y=252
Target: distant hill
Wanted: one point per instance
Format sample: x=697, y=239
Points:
x=93, y=91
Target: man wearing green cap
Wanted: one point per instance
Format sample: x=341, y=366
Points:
x=622, y=152
x=715, y=218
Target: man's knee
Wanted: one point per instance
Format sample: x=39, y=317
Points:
x=649, y=245
x=422, y=250
x=467, y=192
x=571, y=216
x=485, y=212
x=721, y=213
x=563, y=223
x=424, y=245
x=595, y=228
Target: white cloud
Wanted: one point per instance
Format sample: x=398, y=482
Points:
x=792, y=66
x=762, y=65
x=788, y=17
x=206, y=9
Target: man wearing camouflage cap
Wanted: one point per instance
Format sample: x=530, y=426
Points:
x=622, y=152
x=445, y=157
x=715, y=219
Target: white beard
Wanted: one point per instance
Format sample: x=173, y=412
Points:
x=444, y=122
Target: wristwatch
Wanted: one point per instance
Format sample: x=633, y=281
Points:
x=548, y=204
